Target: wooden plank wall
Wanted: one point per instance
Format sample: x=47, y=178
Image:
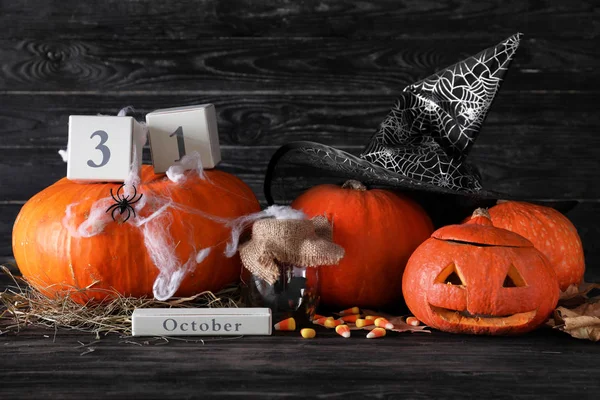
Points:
x=283, y=70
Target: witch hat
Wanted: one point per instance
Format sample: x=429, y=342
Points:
x=422, y=145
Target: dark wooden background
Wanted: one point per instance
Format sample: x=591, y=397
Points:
x=279, y=71
x=284, y=70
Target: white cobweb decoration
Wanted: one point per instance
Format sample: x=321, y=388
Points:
x=154, y=224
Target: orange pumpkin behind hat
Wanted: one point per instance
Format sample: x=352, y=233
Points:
x=378, y=229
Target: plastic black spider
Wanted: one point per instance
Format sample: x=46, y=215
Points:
x=123, y=203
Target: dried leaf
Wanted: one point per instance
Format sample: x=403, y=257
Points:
x=577, y=314
x=575, y=295
x=399, y=323
x=582, y=322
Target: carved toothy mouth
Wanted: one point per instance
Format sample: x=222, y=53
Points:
x=466, y=318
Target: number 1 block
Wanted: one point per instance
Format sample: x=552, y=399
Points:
x=101, y=148
x=175, y=132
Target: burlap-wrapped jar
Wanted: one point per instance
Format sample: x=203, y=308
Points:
x=281, y=255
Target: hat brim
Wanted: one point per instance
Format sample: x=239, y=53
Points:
x=298, y=165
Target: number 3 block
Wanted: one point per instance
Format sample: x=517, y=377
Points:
x=175, y=132
x=101, y=148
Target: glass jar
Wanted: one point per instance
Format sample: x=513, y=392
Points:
x=295, y=293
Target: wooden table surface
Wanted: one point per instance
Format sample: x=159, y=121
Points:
x=37, y=363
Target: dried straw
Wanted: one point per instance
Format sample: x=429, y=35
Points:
x=22, y=305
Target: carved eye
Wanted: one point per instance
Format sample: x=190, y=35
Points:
x=450, y=276
x=513, y=278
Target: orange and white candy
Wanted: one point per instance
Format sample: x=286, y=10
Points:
x=308, y=333
x=376, y=333
x=350, y=311
x=383, y=323
x=412, y=321
x=373, y=317
x=332, y=323
x=317, y=317
x=321, y=321
x=343, y=330
x=349, y=318
x=286, y=325
x=360, y=323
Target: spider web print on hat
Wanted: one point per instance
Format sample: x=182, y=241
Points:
x=423, y=142
x=435, y=122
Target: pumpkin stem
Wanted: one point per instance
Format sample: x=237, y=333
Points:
x=481, y=216
x=355, y=185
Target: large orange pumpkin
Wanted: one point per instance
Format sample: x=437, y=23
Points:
x=478, y=279
x=550, y=232
x=116, y=259
x=379, y=230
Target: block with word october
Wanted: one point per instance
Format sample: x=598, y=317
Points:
x=175, y=132
x=101, y=147
x=201, y=321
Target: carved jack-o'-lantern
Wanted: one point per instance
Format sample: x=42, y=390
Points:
x=476, y=278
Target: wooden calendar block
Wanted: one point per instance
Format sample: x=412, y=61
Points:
x=175, y=132
x=101, y=148
x=201, y=321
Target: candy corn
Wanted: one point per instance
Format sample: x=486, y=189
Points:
x=321, y=321
x=375, y=333
x=412, y=321
x=286, y=325
x=373, y=317
x=364, y=322
x=308, y=333
x=332, y=323
x=349, y=318
x=383, y=323
x=350, y=311
x=317, y=316
x=343, y=330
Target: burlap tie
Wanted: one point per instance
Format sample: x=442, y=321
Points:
x=305, y=243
